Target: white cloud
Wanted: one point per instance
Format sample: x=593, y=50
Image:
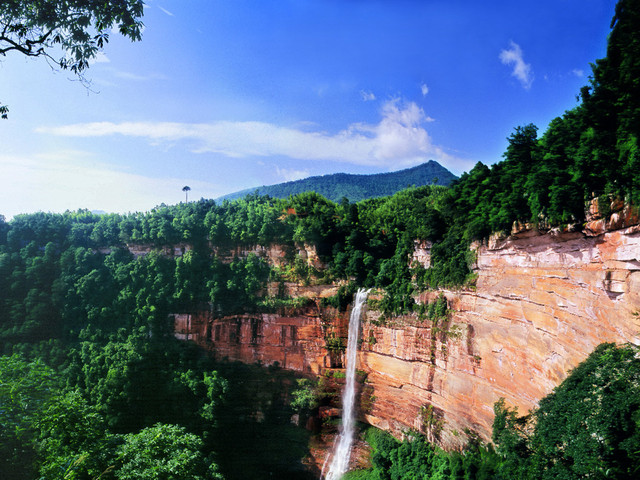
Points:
x=367, y=96
x=290, y=174
x=521, y=70
x=398, y=140
x=578, y=72
x=424, y=89
x=69, y=180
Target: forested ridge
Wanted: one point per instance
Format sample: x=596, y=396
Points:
x=357, y=187
x=94, y=385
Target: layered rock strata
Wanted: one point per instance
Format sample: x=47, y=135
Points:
x=543, y=302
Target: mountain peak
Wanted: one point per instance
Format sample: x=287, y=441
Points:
x=356, y=187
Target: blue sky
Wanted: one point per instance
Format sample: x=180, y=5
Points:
x=223, y=95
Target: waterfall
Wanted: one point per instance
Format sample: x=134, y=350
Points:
x=342, y=449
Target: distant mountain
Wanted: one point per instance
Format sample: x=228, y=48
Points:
x=356, y=187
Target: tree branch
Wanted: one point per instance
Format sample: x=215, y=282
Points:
x=77, y=29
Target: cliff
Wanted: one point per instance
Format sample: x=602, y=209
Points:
x=543, y=301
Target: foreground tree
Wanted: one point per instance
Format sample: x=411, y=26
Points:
x=72, y=439
x=25, y=389
x=68, y=33
x=164, y=452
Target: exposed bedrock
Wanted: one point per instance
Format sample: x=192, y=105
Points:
x=543, y=302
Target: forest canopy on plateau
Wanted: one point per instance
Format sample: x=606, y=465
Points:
x=93, y=383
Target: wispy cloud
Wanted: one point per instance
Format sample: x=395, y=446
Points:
x=68, y=180
x=399, y=139
x=424, y=89
x=521, y=70
x=578, y=72
x=367, y=96
x=138, y=78
x=166, y=11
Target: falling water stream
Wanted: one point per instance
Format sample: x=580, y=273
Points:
x=342, y=449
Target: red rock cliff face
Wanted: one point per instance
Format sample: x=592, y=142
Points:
x=543, y=302
x=293, y=342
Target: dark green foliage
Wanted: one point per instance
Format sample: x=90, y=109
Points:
x=553, y=192
x=72, y=439
x=381, y=241
x=450, y=260
x=511, y=435
x=163, y=452
x=256, y=439
x=236, y=287
x=490, y=200
x=190, y=291
x=313, y=219
x=343, y=298
x=74, y=296
x=415, y=458
x=395, y=277
x=434, y=311
x=305, y=397
x=57, y=284
x=253, y=220
x=355, y=188
x=25, y=390
x=70, y=433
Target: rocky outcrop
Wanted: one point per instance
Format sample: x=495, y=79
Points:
x=421, y=253
x=543, y=301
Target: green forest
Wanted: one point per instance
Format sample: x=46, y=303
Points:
x=94, y=385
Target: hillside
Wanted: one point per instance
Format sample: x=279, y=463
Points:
x=356, y=187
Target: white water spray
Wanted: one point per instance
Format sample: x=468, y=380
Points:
x=342, y=449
